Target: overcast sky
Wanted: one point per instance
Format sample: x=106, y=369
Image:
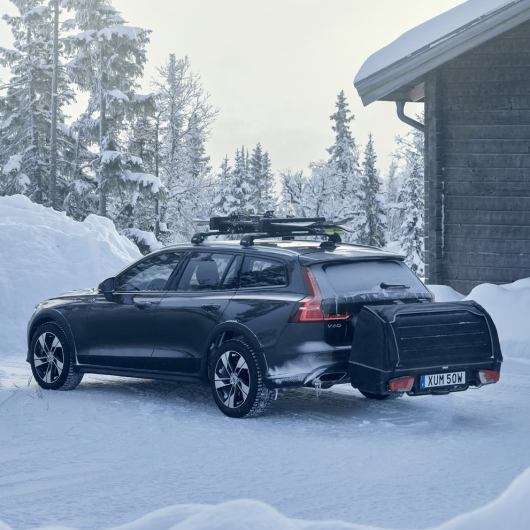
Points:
x=275, y=67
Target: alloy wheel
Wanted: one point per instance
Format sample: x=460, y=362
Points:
x=48, y=357
x=232, y=379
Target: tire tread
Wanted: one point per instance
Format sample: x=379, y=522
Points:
x=73, y=378
x=264, y=396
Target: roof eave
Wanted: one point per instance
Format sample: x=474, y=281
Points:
x=380, y=84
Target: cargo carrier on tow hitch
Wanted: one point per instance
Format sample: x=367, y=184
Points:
x=424, y=349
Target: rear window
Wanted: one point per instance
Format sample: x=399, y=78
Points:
x=382, y=279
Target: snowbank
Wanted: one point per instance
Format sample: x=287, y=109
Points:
x=44, y=253
x=509, y=306
x=508, y=511
x=444, y=293
x=429, y=33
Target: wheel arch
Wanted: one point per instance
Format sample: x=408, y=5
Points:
x=227, y=331
x=47, y=316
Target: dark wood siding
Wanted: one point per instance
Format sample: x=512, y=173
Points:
x=433, y=179
x=482, y=165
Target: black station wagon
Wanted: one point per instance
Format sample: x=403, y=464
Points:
x=250, y=318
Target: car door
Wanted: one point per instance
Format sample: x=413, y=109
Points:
x=191, y=308
x=121, y=325
x=264, y=301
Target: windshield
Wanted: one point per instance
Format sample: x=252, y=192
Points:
x=370, y=281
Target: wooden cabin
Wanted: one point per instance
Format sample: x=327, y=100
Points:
x=471, y=68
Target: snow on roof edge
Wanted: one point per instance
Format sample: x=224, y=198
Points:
x=430, y=33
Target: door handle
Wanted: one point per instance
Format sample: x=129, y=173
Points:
x=211, y=307
x=143, y=305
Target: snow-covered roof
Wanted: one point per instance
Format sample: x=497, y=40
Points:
x=436, y=41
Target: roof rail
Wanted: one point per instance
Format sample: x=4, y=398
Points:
x=254, y=227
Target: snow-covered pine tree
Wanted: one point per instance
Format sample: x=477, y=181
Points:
x=142, y=136
x=314, y=195
x=268, y=201
x=81, y=199
x=195, y=171
x=241, y=185
x=392, y=187
x=35, y=132
x=62, y=145
x=52, y=182
x=373, y=230
x=261, y=181
x=24, y=114
x=143, y=224
x=412, y=145
x=186, y=117
x=108, y=58
x=343, y=168
x=13, y=180
x=223, y=202
x=256, y=169
x=292, y=200
x=322, y=195
x=411, y=197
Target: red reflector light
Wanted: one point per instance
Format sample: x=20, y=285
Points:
x=403, y=384
x=488, y=377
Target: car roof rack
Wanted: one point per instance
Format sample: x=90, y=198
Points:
x=253, y=227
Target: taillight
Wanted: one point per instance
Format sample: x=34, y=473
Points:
x=403, y=384
x=308, y=309
x=488, y=377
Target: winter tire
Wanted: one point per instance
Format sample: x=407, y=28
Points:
x=51, y=360
x=236, y=381
x=378, y=397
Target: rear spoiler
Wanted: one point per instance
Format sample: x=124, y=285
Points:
x=319, y=256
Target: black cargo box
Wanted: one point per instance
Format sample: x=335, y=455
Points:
x=393, y=341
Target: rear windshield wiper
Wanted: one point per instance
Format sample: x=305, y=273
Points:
x=392, y=286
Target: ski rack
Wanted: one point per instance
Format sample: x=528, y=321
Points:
x=253, y=227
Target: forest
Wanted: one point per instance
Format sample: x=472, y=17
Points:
x=141, y=159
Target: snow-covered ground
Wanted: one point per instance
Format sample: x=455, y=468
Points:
x=116, y=449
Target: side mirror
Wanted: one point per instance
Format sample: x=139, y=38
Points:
x=107, y=286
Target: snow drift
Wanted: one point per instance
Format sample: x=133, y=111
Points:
x=44, y=253
x=444, y=293
x=507, y=304
x=508, y=511
x=509, y=307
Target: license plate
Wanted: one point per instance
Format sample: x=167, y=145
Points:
x=455, y=378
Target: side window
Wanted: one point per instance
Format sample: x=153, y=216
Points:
x=151, y=274
x=204, y=272
x=231, y=280
x=259, y=272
